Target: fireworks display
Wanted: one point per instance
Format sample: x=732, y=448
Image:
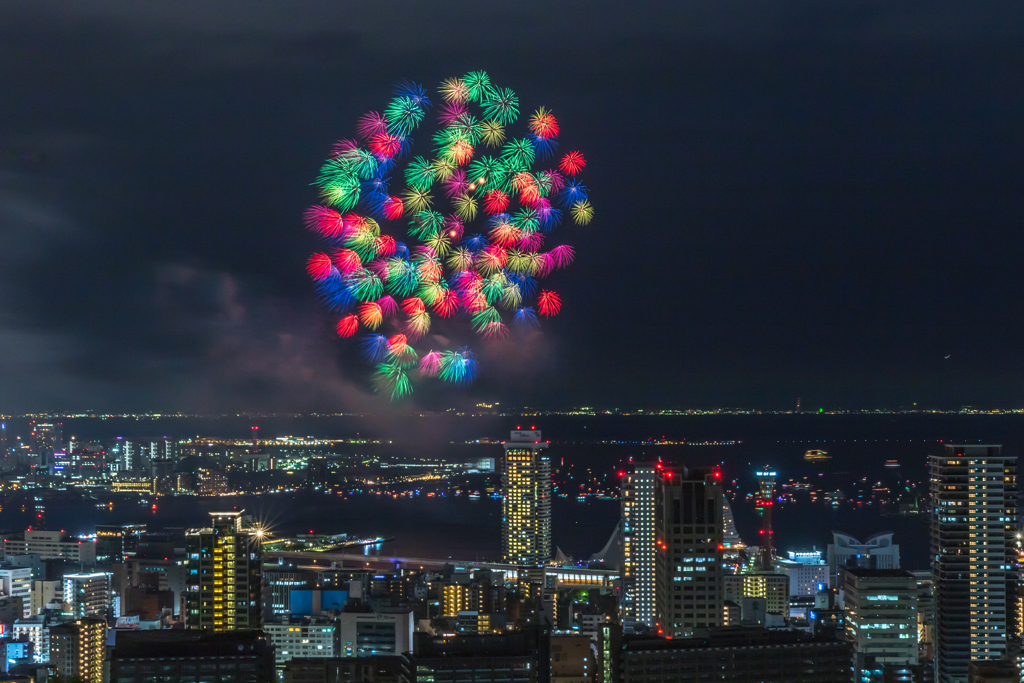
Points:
x=454, y=225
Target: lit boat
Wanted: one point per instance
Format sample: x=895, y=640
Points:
x=816, y=454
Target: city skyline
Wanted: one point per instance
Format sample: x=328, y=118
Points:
x=535, y=342
x=699, y=558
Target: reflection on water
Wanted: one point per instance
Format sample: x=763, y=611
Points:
x=464, y=528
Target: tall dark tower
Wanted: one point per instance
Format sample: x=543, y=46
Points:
x=765, y=501
x=973, y=532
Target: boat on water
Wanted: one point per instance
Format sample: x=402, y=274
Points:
x=816, y=454
x=892, y=463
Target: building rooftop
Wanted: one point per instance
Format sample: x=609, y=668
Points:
x=176, y=643
x=864, y=572
x=514, y=644
x=728, y=636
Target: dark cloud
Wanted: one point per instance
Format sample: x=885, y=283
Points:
x=795, y=198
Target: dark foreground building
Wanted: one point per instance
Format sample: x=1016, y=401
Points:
x=737, y=655
x=373, y=669
x=186, y=656
x=517, y=657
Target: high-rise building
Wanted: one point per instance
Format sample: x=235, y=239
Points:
x=138, y=454
x=161, y=448
x=45, y=438
x=765, y=502
x=688, y=534
x=280, y=580
x=117, y=542
x=77, y=649
x=88, y=595
x=973, y=531
x=526, y=508
x=639, y=557
x=224, y=575
x=881, y=618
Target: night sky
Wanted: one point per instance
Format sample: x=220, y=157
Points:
x=793, y=199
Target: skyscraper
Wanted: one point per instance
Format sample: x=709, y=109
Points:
x=765, y=501
x=688, y=536
x=46, y=438
x=224, y=575
x=89, y=595
x=137, y=454
x=77, y=649
x=526, y=509
x=973, y=531
x=639, y=558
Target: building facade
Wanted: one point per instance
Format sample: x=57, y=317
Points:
x=224, y=576
x=973, y=531
x=88, y=595
x=51, y=545
x=773, y=588
x=881, y=617
x=16, y=582
x=308, y=637
x=737, y=655
x=804, y=577
x=639, y=557
x=35, y=630
x=77, y=649
x=688, y=534
x=365, y=634
x=117, y=542
x=183, y=655
x=526, y=507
